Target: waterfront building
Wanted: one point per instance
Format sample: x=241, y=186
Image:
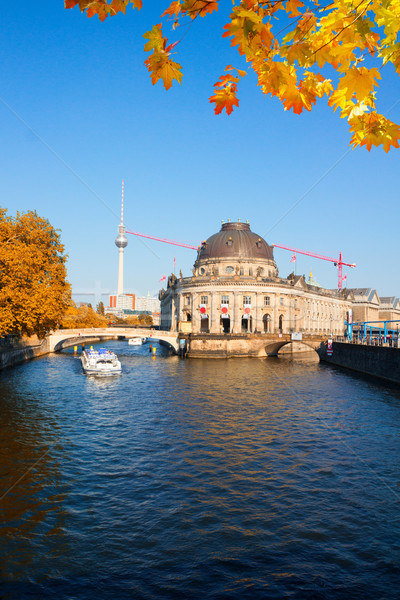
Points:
x=389, y=309
x=235, y=288
x=366, y=303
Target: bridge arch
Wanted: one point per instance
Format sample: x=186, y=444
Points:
x=67, y=338
x=272, y=348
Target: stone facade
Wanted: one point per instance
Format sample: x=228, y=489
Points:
x=236, y=289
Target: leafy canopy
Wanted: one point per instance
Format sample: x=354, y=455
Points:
x=291, y=46
x=33, y=290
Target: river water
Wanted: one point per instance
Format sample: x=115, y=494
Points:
x=197, y=479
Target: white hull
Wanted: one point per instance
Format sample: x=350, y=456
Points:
x=100, y=362
x=136, y=341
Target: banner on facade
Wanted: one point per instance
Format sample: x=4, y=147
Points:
x=329, y=348
x=224, y=311
x=203, y=311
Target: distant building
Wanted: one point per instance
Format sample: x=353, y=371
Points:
x=146, y=303
x=123, y=301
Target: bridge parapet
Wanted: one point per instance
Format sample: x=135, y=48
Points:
x=65, y=338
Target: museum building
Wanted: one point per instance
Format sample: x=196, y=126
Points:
x=235, y=288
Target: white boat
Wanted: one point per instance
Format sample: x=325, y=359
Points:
x=100, y=362
x=136, y=341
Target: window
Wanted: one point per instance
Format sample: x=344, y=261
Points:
x=202, y=270
x=229, y=242
x=251, y=272
x=203, y=299
x=246, y=299
x=267, y=301
x=241, y=271
x=295, y=303
x=229, y=269
x=281, y=301
x=224, y=299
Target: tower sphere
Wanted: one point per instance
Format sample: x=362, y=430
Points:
x=121, y=241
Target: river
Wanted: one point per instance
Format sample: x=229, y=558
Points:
x=197, y=479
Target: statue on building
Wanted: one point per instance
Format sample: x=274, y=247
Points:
x=258, y=272
x=180, y=273
x=237, y=270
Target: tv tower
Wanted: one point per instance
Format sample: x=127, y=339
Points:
x=121, y=241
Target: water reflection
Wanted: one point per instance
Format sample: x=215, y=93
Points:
x=223, y=479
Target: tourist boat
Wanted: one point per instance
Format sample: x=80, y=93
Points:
x=100, y=362
x=136, y=341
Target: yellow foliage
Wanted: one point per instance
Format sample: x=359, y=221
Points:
x=82, y=317
x=335, y=36
x=33, y=290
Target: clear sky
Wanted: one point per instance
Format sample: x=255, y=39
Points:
x=83, y=88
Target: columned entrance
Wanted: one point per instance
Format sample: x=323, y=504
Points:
x=267, y=323
x=247, y=324
x=204, y=325
x=225, y=325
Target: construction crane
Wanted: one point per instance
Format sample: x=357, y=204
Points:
x=338, y=262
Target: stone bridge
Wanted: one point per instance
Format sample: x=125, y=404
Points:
x=200, y=345
x=65, y=338
x=253, y=344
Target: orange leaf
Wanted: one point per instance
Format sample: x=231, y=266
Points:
x=199, y=7
x=225, y=98
x=160, y=66
x=173, y=9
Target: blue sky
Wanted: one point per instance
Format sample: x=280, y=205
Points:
x=83, y=88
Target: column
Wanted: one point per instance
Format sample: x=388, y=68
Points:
x=237, y=327
x=195, y=314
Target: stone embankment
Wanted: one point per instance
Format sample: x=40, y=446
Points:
x=378, y=361
x=13, y=352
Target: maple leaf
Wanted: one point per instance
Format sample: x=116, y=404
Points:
x=160, y=66
x=200, y=8
x=156, y=39
x=173, y=9
x=225, y=98
x=292, y=7
x=374, y=130
x=102, y=8
x=359, y=81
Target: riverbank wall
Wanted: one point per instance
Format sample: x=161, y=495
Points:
x=376, y=361
x=17, y=352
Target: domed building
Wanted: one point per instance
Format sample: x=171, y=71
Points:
x=235, y=290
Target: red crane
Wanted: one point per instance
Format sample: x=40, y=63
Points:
x=338, y=262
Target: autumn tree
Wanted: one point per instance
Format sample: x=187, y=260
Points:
x=299, y=51
x=34, y=292
x=100, y=308
x=82, y=317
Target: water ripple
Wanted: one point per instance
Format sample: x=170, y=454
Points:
x=197, y=479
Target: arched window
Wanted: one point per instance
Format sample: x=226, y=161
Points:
x=281, y=323
x=267, y=323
